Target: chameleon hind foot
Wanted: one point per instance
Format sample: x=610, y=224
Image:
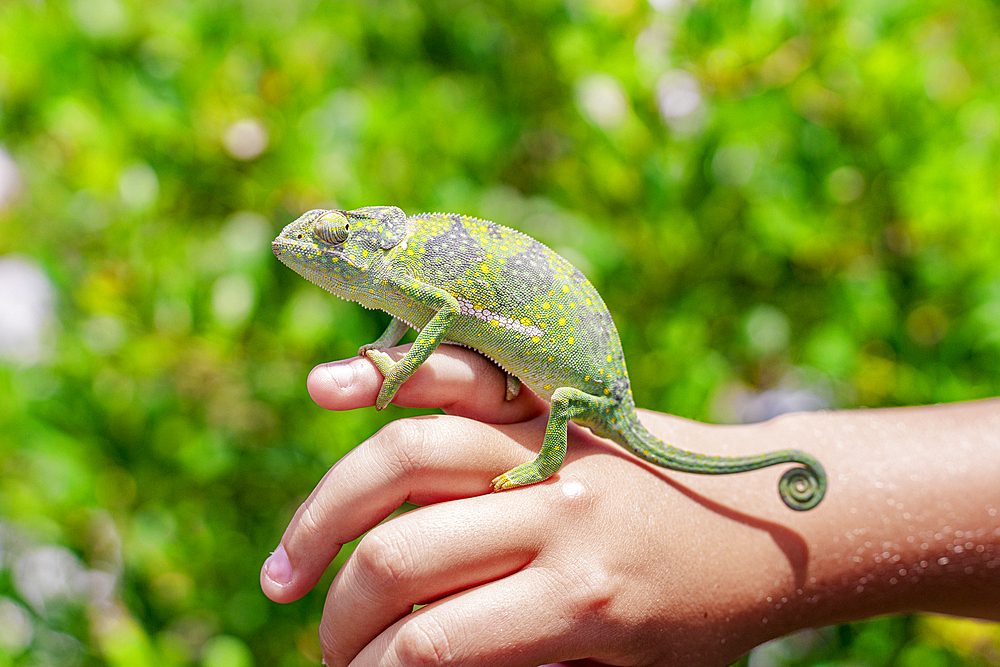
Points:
x=522, y=475
x=566, y=404
x=513, y=387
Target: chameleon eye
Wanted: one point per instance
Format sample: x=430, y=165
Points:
x=330, y=232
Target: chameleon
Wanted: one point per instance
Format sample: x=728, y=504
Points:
x=459, y=279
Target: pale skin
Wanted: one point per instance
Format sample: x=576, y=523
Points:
x=613, y=561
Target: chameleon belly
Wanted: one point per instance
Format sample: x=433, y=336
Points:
x=459, y=279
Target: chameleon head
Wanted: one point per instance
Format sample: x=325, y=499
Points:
x=332, y=248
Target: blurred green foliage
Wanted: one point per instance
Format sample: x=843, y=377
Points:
x=795, y=200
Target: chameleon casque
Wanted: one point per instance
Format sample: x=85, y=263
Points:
x=458, y=279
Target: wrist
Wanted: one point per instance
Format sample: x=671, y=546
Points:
x=910, y=521
x=902, y=529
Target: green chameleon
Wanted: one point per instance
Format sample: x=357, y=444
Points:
x=457, y=279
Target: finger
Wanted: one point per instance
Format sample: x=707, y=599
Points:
x=423, y=556
x=456, y=379
x=424, y=460
x=532, y=617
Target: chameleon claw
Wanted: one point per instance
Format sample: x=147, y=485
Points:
x=502, y=483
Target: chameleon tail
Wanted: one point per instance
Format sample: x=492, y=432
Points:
x=801, y=488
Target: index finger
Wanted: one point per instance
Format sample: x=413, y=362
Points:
x=423, y=459
x=455, y=379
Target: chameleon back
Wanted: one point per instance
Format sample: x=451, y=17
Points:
x=521, y=304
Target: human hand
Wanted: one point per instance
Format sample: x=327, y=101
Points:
x=608, y=560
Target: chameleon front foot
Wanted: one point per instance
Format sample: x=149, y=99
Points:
x=390, y=372
x=393, y=333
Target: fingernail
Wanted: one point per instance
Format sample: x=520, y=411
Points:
x=342, y=374
x=278, y=568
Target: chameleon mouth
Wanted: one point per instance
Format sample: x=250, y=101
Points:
x=284, y=250
x=291, y=252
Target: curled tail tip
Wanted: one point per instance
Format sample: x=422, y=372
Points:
x=802, y=488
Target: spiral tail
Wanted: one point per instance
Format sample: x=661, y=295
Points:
x=801, y=487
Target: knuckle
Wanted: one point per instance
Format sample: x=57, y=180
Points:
x=403, y=444
x=331, y=646
x=423, y=641
x=588, y=587
x=594, y=590
x=574, y=495
x=383, y=561
x=311, y=521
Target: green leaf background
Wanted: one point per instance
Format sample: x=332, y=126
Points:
x=785, y=204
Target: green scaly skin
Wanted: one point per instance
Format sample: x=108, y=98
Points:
x=457, y=279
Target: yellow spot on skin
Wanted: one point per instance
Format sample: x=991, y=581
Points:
x=565, y=288
x=601, y=371
x=606, y=391
x=586, y=378
x=589, y=302
x=364, y=252
x=552, y=293
x=551, y=359
x=495, y=323
x=336, y=259
x=609, y=358
x=547, y=387
x=525, y=321
x=535, y=339
x=570, y=340
x=546, y=305
x=486, y=268
x=409, y=252
x=562, y=323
